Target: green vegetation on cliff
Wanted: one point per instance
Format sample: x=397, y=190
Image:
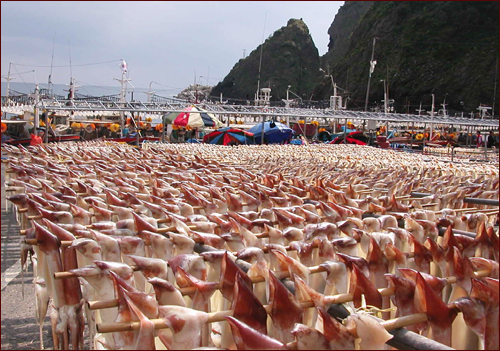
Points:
x=289, y=57
x=445, y=48
x=345, y=22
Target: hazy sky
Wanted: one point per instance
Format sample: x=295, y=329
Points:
x=164, y=42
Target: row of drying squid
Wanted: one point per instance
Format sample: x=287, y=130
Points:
x=183, y=246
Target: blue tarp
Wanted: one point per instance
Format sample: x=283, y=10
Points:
x=275, y=135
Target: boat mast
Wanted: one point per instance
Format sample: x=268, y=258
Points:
x=432, y=115
x=8, y=79
x=195, y=89
x=72, y=85
x=257, y=97
x=72, y=90
x=372, y=68
x=287, y=105
x=37, y=118
x=444, y=106
x=432, y=107
x=335, y=100
x=385, y=98
x=123, y=81
x=420, y=109
x=495, y=88
x=50, y=91
x=149, y=92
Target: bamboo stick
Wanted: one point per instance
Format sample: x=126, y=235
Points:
x=490, y=213
x=66, y=243
x=390, y=324
x=430, y=205
x=402, y=197
x=472, y=209
x=12, y=188
x=367, y=191
x=412, y=199
x=159, y=230
x=487, y=211
x=401, y=322
x=341, y=298
x=35, y=217
x=334, y=299
x=313, y=269
x=161, y=220
x=67, y=274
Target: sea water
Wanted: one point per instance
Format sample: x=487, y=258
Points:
x=137, y=94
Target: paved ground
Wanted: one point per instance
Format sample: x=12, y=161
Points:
x=19, y=328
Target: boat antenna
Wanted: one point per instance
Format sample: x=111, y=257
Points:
x=8, y=78
x=72, y=85
x=495, y=88
x=70, y=68
x=420, y=109
x=260, y=61
x=195, y=89
x=52, y=64
x=444, y=105
x=71, y=91
x=432, y=106
x=129, y=81
x=372, y=68
x=123, y=81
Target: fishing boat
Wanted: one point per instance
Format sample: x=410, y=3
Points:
x=356, y=137
x=17, y=130
x=119, y=111
x=24, y=141
x=60, y=123
x=407, y=140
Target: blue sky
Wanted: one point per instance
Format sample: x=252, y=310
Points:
x=164, y=42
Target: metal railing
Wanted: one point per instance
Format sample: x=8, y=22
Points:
x=166, y=105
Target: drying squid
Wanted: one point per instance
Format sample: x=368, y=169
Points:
x=373, y=335
x=283, y=218
x=41, y=304
x=247, y=337
x=186, y=325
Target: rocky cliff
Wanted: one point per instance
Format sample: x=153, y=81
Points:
x=445, y=48
x=289, y=57
x=345, y=22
